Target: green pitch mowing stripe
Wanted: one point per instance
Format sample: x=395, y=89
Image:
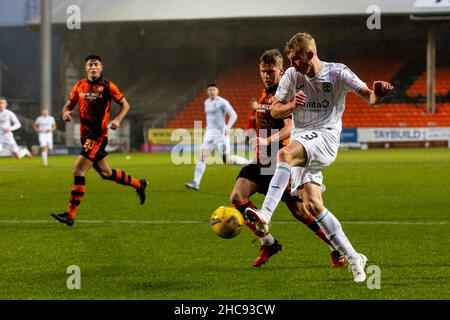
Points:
x=393, y=205
x=174, y=222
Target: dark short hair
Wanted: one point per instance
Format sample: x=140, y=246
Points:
x=2, y=98
x=212, y=85
x=93, y=57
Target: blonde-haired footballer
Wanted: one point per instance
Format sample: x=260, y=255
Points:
x=314, y=92
x=255, y=177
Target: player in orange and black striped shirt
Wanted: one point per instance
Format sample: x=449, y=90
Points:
x=252, y=178
x=93, y=94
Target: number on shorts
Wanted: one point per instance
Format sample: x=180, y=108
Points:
x=309, y=136
x=88, y=144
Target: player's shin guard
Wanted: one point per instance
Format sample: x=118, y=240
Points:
x=276, y=189
x=121, y=177
x=76, y=195
x=333, y=229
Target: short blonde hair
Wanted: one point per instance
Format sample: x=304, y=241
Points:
x=302, y=42
x=272, y=56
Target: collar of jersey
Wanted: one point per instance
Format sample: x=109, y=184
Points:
x=96, y=80
x=320, y=71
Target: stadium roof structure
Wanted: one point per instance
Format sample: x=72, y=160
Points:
x=99, y=11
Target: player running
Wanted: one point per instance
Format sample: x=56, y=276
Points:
x=44, y=126
x=253, y=179
x=8, y=124
x=94, y=95
x=217, y=134
x=314, y=92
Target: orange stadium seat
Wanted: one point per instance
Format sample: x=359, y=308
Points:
x=419, y=87
x=240, y=83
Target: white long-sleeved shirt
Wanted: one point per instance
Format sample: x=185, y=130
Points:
x=216, y=110
x=8, y=120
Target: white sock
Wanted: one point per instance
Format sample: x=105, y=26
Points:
x=333, y=229
x=199, y=171
x=23, y=152
x=44, y=157
x=267, y=240
x=277, y=186
x=239, y=160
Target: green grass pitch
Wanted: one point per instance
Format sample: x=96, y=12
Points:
x=394, y=206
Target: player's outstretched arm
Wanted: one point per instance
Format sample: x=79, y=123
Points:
x=379, y=90
x=67, y=111
x=124, y=107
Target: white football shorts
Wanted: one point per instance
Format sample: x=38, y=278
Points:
x=214, y=138
x=321, y=147
x=8, y=142
x=46, y=140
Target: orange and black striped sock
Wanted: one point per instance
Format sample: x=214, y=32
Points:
x=241, y=208
x=76, y=195
x=124, y=178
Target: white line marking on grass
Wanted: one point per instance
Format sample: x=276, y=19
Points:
x=173, y=222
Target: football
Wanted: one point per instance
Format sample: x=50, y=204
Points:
x=226, y=222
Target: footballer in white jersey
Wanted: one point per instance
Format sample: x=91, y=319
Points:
x=314, y=92
x=44, y=126
x=8, y=124
x=216, y=134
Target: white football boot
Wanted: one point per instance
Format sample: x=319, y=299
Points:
x=192, y=185
x=356, y=266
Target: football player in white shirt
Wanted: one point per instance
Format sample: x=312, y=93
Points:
x=314, y=92
x=217, y=133
x=9, y=123
x=44, y=126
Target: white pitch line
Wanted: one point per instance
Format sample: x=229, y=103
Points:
x=173, y=222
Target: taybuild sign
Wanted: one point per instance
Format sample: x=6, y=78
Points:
x=403, y=134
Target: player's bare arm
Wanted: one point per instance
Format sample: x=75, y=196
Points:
x=67, y=111
x=124, y=107
x=379, y=90
x=283, y=134
x=280, y=110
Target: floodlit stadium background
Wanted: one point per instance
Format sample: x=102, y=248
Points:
x=163, y=53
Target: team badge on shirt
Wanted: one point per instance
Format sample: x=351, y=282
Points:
x=327, y=87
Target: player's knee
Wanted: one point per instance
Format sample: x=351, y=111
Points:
x=78, y=173
x=314, y=206
x=285, y=156
x=282, y=155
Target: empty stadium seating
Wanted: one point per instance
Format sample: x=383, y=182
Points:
x=405, y=108
x=419, y=86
